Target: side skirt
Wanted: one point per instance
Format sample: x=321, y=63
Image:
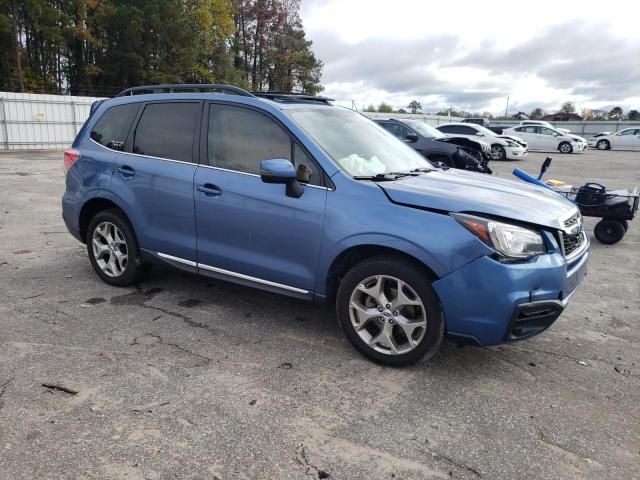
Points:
x=226, y=275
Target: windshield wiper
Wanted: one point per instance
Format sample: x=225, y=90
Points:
x=382, y=177
x=422, y=170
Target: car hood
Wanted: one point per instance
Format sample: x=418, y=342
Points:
x=514, y=139
x=459, y=191
x=465, y=143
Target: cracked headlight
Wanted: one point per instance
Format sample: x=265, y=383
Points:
x=510, y=241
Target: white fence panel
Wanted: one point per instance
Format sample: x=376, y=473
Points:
x=433, y=120
x=33, y=121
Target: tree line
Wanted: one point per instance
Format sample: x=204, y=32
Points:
x=99, y=47
x=615, y=114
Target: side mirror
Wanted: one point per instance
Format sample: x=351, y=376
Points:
x=281, y=170
x=412, y=137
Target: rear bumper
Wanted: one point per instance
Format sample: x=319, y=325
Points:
x=71, y=216
x=488, y=303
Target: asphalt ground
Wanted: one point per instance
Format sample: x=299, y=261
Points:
x=188, y=378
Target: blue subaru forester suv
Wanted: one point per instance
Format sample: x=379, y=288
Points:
x=294, y=195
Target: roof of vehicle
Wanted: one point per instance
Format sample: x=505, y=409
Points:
x=460, y=124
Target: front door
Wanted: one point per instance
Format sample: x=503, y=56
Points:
x=626, y=139
x=549, y=139
x=154, y=175
x=250, y=231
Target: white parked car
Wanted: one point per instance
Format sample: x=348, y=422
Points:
x=543, y=123
x=545, y=138
x=627, y=139
x=502, y=146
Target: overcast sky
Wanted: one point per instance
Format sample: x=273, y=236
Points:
x=471, y=55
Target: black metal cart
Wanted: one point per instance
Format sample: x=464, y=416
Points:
x=615, y=207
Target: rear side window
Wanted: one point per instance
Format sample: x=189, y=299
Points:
x=166, y=130
x=112, y=128
x=239, y=139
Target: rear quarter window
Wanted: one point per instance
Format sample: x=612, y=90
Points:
x=113, y=126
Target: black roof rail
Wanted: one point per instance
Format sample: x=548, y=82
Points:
x=184, y=88
x=292, y=96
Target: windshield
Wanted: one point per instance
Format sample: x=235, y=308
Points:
x=425, y=130
x=358, y=145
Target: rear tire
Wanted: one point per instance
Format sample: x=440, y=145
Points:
x=389, y=311
x=565, y=147
x=609, y=231
x=113, y=248
x=603, y=145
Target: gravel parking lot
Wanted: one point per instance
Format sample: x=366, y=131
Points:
x=185, y=377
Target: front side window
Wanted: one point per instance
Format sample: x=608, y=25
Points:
x=630, y=131
x=396, y=129
x=112, y=128
x=166, y=130
x=239, y=139
x=356, y=143
x=547, y=131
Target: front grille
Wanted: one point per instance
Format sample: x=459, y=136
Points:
x=573, y=234
x=571, y=243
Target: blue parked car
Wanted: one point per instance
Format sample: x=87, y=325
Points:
x=291, y=194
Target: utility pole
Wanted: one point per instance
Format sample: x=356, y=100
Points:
x=506, y=109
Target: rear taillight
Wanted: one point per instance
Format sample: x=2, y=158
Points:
x=71, y=156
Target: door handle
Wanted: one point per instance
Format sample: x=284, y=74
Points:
x=126, y=171
x=209, y=190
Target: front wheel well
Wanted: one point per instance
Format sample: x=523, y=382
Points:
x=90, y=209
x=355, y=255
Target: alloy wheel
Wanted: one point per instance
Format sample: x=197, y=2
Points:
x=110, y=249
x=565, y=148
x=387, y=314
x=497, y=152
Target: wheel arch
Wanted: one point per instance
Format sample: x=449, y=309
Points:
x=356, y=254
x=93, y=207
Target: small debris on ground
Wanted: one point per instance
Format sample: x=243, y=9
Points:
x=582, y=362
x=285, y=365
x=60, y=388
x=148, y=407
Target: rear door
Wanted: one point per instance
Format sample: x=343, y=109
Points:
x=154, y=178
x=531, y=134
x=250, y=231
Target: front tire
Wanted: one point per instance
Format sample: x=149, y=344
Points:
x=565, y=147
x=498, y=152
x=389, y=311
x=113, y=248
x=603, y=145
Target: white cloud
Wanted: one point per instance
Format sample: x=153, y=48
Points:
x=472, y=55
